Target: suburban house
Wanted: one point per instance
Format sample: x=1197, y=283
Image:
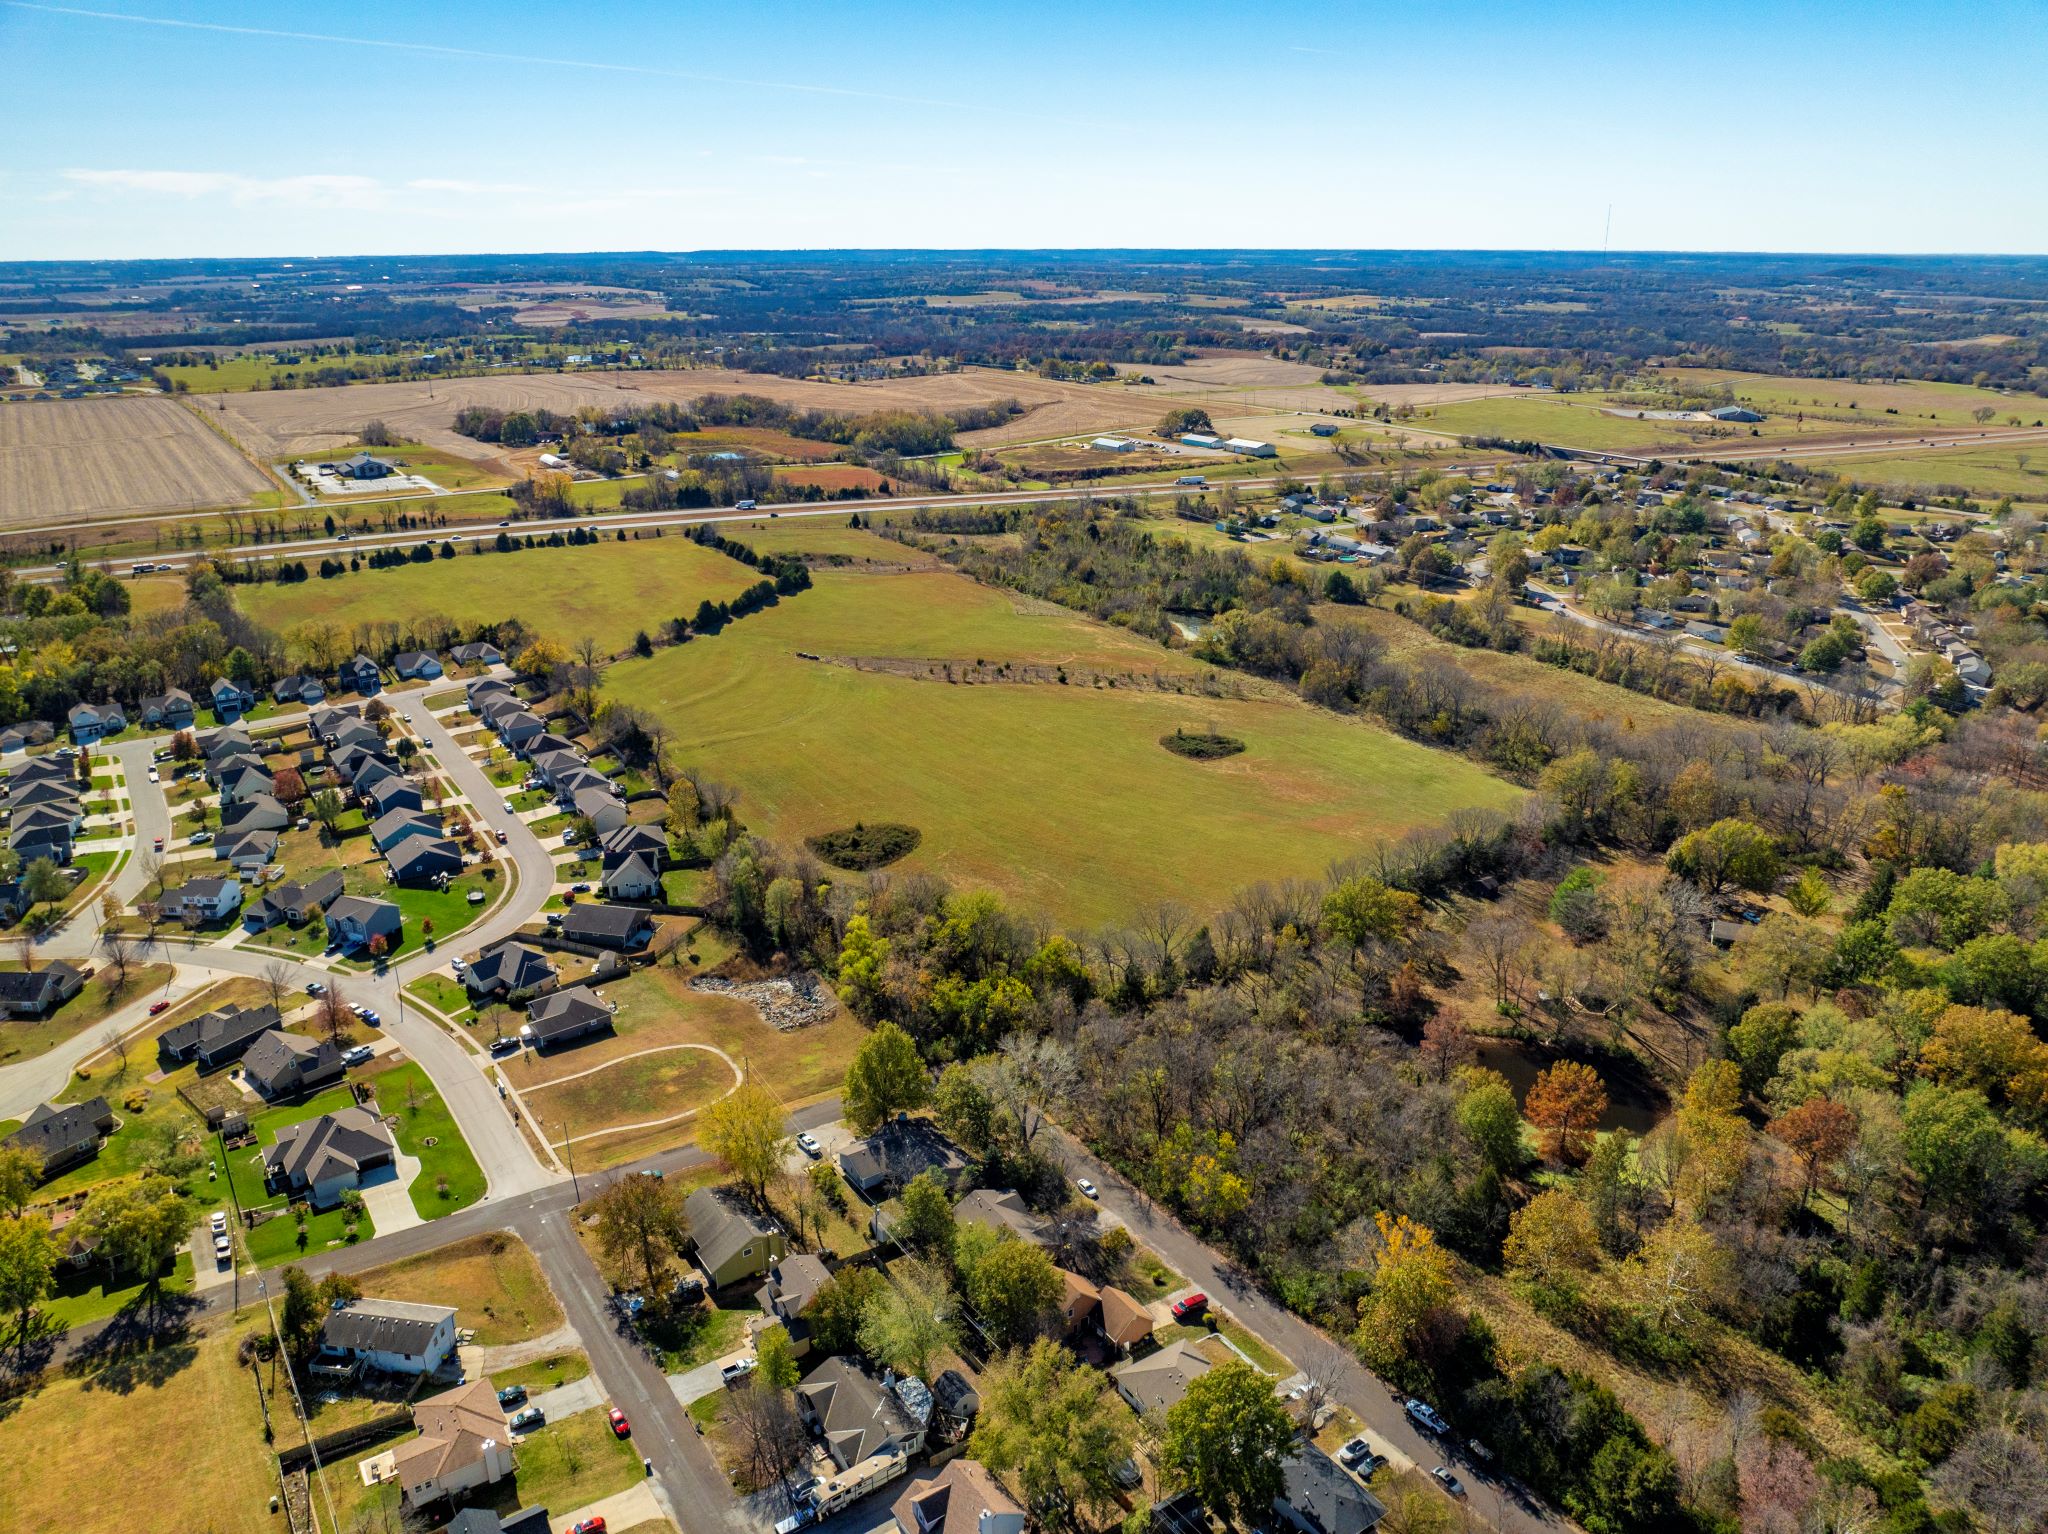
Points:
x=387, y=793
x=1106, y=1312
x=565, y=1015
x=63, y=1136
x=730, y=1241
x=1157, y=1381
x=226, y=741
x=601, y=807
x=418, y=861
x=518, y=727
x=92, y=721
x=855, y=1416
x=416, y=665
x=298, y=689
x=1000, y=1210
x=484, y=688
x=387, y=831
x=634, y=876
x=606, y=926
x=281, y=1065
x=247, y=852
x=231, y=758
x=556, y=763
x=508, y=968
x=647, y=841
x=293, y=903
x=319, y=1158
x=964, y=1498
x=353, y=920
x=259, y=812
x=879, y=1166
x=57, y=793
x=547, y=743
x=42, y=831
x=38, y=992
x=463, y=1444
x=170, y=710
x=360, y=673
x=792, y=1284
x=199, y=901
x=391, y=1336
x=478, y=654
x=30, y=732
x=230, y=699
x=243, y=780
x=216, y=1038
x=371, y=775
x=1321, y=1497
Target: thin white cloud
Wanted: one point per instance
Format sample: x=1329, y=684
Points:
x=297, y=191
x=441, y=50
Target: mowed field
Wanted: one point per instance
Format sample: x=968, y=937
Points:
x=1059, y=796
x=608, y=591
x=2020, y=470
x=1863, y=402
x=87, y=458
x=283, y=423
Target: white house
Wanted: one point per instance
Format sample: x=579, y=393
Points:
x=395, y=1336
x=198, y=901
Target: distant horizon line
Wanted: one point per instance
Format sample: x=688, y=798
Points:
x=1205, y=252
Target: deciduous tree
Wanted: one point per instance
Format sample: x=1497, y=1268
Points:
x=1227, y=1440
x=1049, y=1424
x=1566, y=1103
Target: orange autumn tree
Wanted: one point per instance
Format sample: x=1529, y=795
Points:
x=1819, y=1132
x=1566, y=1103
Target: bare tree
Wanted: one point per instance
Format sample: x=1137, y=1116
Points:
x=119, y=951
x=277, y=979
x=335, y=1016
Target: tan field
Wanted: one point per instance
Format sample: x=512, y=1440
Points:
x=274, y=425
x=1397, y=395
x=89, y=458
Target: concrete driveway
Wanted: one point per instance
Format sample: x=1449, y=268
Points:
x=389, y=1200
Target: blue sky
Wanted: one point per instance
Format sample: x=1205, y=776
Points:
x=314, y=129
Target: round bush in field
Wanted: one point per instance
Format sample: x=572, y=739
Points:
x=861, y=847
x=1201, y=745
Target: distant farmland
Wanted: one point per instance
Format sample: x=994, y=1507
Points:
x=89, y=458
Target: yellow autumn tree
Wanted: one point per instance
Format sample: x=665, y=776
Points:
x=1411, y=1293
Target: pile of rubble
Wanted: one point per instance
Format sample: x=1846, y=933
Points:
x=785, y=1003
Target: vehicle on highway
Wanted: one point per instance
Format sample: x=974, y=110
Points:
x=526, y=1421
x=512, y=1395
x=621, y=1428
x=742, y=505
x=808, y=1144
x=1425, y=1416
x=1190, y=1305
x=1087, y=1188
x=1449, y=1482
x=156, y=1007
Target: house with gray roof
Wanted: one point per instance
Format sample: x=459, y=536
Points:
x=168, y=710
x=353, y=920
x=39, y=992
x=217, y=1038
x=293, y=903
x=564, y=1016
x=730, y=1240
x=478, y=653
x=855, y=1416
x=394, y=1336
x=506, y=969
x=281, y=1064
x=63, y=1135
x=318, y=1158
x=1159, y=1380
x=422, y=860
x=387, y=831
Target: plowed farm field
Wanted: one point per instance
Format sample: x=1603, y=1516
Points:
x=278, y=424
x=87, y=458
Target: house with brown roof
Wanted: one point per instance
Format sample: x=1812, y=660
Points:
x=964, y=1498
x=1105, y=1312
x=463, y=1444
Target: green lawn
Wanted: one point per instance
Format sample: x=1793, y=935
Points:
x=698, y=1336
x=1059, y=796
x=403, y=1089
x=544, y=1373
x=83, y=1297
x=277, y=1241
x=25, y=1038
x=445, y=994
x=618, y=589
x=528, y=799
x=449, y=910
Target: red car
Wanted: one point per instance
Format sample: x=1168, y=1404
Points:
x=159, y=844
x=1190, y=1305
x=158, y=1006
x=589, y=1526
x=621, y=1428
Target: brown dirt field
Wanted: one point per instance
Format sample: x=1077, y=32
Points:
x=90, y=458
x=1233, y=371
x=833, y=476
x=279, y=424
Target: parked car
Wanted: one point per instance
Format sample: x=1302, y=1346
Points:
x=580, y=889
x=808, y=1144
x=802, y=1518
x=362, y=1054
x=200, y=838
x=1449, y=1482
x=1087, y=1188
x=621, y=1428
x=156, y=1007
x=219, y=1221
x=504, y=1046
x=152, y=775
x=501, y=836
x=526, y=1421
x=369, y=1015
x=735, y=1373
x=1190, y=1305
x=1357, y=1455
x=1426, y=1417
x=588, y=1525
x=511, y=1395
x=223, y=1250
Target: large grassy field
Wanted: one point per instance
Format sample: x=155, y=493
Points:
x=607, y=591
x=1059, y=796
x=2020, y=470
x=492, y=1280
x=74, y=1452
x=1874, y=404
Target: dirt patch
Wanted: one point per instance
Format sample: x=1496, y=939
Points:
x=785, y=1002
x=833, y=476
